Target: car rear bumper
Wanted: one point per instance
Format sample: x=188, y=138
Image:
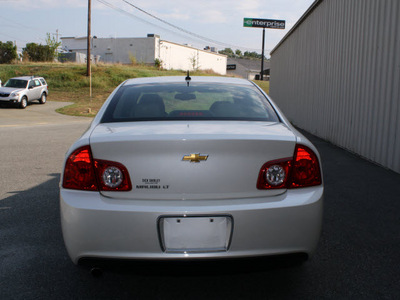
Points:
x=98, y=227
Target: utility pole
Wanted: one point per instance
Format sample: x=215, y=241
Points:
x=262, y=58
x=88, y=57
x=88, y=71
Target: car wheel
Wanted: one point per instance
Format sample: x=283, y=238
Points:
x=43, y=99
x=23, y=103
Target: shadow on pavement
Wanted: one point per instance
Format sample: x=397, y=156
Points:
x=35, y=264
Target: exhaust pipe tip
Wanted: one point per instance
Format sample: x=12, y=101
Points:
x=96, y=272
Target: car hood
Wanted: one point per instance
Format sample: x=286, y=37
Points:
x=9, y=90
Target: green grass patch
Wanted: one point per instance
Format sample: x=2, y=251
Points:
x=263, y=84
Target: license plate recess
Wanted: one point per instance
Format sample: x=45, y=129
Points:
x=195, y=234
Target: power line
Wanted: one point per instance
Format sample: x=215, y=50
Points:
x=15, y=24
x=13, y=37
x=192, y=35
x=142, y=20
x=126, y=13
x=20, y=24
x=184, y=30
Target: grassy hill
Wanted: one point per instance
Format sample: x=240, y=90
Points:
x=69, y=83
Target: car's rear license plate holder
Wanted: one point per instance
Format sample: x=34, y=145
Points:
x=195, y=234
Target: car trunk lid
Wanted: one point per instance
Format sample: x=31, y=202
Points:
x=192, y=160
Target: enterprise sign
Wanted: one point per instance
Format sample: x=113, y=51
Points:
x=264, y=23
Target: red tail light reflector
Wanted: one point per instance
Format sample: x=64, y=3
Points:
x=79, y=172
x=306, y=170
x=82, y=172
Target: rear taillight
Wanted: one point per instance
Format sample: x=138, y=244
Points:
x=112, y=176
x=275, y=174
x=82, y=172
x=306, y=170
x=301, y=170
x=79, y=172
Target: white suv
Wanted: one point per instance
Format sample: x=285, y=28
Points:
x=22, y=90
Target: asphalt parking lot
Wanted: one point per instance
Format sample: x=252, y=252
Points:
x=358, y=256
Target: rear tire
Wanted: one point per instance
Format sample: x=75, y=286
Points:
x=24, y=102
x=43, y=98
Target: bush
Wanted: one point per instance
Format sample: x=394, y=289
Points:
x=35, y=52
x=8, y=52
x=158, y=63
x=133, y=59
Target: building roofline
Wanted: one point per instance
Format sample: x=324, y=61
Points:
x=73, y=37
x=187, y=46
x=297, y=24
x=106, y=38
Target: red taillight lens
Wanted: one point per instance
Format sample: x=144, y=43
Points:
x=82, y=172
x=306, y=170
x=79, y=172
x=300, y=171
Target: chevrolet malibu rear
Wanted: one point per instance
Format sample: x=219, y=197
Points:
x=190, y=168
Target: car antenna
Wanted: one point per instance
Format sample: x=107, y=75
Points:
x=188, y=78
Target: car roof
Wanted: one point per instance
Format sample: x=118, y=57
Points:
x=176, y=79
x=26, y=77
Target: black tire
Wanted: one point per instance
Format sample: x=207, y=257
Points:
x=24, y=102
x=43, y=98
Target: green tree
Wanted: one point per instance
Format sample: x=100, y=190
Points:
x=194, y=62
x=35, y=52
x=238, y=53
x=8, y=52
x=53, y=44
x=48, y=52
x=228, y=52
x=252, y=55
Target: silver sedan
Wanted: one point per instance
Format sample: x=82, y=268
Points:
x=188, y=168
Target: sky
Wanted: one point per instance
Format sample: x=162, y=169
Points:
x=197, y=23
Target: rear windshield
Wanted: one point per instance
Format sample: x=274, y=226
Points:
x=199, y=101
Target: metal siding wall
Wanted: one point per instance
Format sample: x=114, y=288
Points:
x=337, y=75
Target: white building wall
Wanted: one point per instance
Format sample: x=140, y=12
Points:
x=74, y=44
x=179, y=57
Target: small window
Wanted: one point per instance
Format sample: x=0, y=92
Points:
x=37, y=82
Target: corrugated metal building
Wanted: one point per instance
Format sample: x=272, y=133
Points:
x=336, y=74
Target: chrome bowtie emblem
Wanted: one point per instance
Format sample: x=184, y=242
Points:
x=195, y=157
